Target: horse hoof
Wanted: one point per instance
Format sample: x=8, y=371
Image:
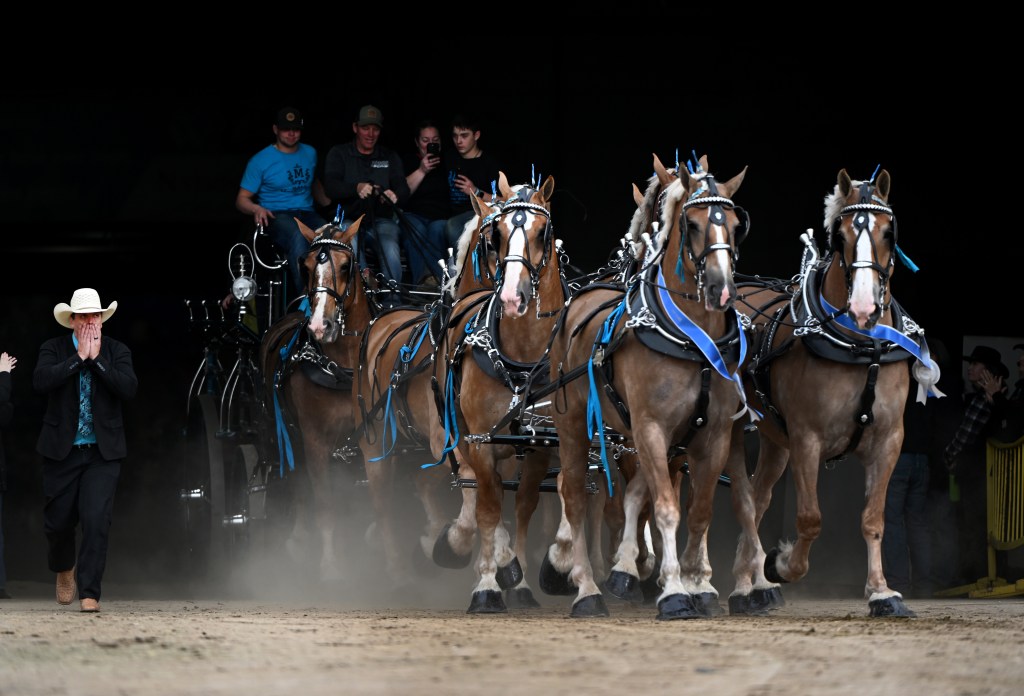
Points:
x=623, y=586
x=770, y=573
x=444, y=555
x=891, y=607
x=487, y=602
x=589, y=607
x=553, y=582
x=678, y=606
x=511, y=575
x=707, y=604
x=768, y=598
x=521, y=598
x=746, y=605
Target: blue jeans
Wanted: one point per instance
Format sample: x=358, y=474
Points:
x=424, y=245
x=285, y=234
x=384, y=236
x=906, y=544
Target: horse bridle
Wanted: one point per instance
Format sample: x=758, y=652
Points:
x=323, y=245
x=716, y=205
x=518, y=208
x=869, y=203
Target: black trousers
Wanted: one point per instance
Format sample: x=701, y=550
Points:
x=79, y=491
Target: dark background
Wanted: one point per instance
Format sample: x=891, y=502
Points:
x=126, y=184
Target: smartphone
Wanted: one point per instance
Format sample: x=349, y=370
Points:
x=434, y=149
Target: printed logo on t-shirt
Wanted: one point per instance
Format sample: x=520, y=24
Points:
x=300, y=177
x=379, y=164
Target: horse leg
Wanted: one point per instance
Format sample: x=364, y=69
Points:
x=753, y=594
x=791, y=561
x=674, y=602
x=696, y=564
x=495, y=549
x=380, y=478
x=882, y=601
x=454, y=545
x=534, y=470
x=623, y=580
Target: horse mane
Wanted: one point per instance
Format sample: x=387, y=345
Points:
x=835, y=202
x=673, y=197
x=462, y=251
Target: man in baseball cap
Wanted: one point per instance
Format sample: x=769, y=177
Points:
x=289, y=118
x=370, y=115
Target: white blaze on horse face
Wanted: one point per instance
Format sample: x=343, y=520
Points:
x=513, y=294
x=862, y=294
x=722, y=259
x=317, y=320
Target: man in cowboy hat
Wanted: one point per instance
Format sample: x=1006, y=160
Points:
x=86, y=377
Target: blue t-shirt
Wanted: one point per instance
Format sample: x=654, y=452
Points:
x=281, y=180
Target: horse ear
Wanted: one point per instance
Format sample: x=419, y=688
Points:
x=882, y=185
x=348, y=234
x=638, y=197
x=844, y=182
x=506, y=190
x=479, y=207
x=704, y=162
x=548, y=189
x=305, y=230
x=663, y=176
x=732, y=185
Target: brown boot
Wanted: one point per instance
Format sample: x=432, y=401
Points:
x=66, y=587
x=90, y=605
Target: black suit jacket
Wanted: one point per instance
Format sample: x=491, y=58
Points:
x=6, y=415
x=114, y=382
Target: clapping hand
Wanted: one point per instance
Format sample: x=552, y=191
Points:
x=991, y=384
x=7, y=362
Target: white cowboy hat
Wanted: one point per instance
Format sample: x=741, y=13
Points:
x=84, y=301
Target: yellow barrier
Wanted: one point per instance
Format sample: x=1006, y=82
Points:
x=1005, y=506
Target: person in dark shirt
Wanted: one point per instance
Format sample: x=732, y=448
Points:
x=907, y=543
x=7, y=365
x=428, y=208
x=965, y=455
x=366, y=178
x=471, y=172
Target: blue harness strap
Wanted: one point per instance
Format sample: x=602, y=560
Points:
x=595, y=417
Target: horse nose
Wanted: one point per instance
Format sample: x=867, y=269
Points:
x=320, y=327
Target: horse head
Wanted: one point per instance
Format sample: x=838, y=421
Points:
x=522, y=241
x=862, y=243
x=700, y=230
x=331, y=271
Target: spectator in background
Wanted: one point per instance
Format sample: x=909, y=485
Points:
x=471, y=172
x=366, y=178
x=7, y=364
x=965, y=457
x=907, y=543
x=428, y=208
x=279, y=184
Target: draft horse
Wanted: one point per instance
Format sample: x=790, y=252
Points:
x=307, y=359
x=656, y=361
x=400, y=431
x=829, y=367
x=494, y=353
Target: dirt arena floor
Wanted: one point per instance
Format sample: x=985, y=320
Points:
x=322, y=644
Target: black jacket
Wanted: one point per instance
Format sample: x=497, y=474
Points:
x=114, y=381
x=6, y=415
